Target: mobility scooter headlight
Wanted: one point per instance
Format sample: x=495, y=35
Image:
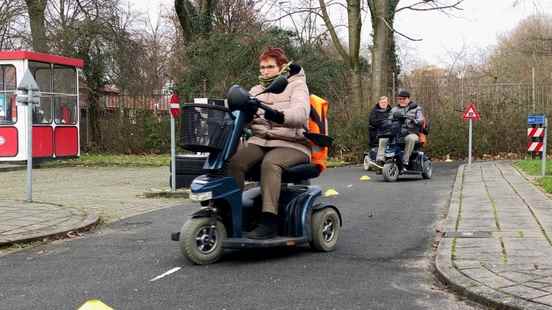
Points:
x=198, y=197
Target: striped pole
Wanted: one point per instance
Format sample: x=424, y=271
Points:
x=543, y=166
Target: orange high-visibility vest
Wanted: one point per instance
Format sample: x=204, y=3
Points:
x=318, y=123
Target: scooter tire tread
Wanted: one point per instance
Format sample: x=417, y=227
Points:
x=187, y=241
x=386, y=172
x=318, y=218
x=425, y=174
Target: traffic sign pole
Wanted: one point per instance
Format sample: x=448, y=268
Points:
x=470, y=142
x=470, y=114
x=173, y=154
x=175, y=112
x=30, y=148
x=29, y=94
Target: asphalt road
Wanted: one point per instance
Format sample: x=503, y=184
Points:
x=383, y=260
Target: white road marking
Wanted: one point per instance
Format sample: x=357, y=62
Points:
x=175, y=269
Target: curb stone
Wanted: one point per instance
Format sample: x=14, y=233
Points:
x=166, y=193
x=89, y=223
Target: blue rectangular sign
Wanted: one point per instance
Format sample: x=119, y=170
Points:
x=535, y=119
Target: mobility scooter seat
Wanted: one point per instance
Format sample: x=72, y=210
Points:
x=294, y=174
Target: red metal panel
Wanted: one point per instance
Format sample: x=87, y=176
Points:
x=535, y=146
x=43, y=141
x=66, y=141
x=535, y=132
x=8, y=142
x=54, y=59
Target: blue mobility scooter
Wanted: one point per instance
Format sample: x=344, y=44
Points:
x=419, y=162
x=227, y=213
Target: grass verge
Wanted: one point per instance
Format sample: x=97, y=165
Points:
x=533, y=168
x=111, y=160
x=147, y=160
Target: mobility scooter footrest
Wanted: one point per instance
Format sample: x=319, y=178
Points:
x=242, y=243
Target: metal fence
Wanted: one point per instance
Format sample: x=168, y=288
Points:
x=503, y=108
x=128, y=124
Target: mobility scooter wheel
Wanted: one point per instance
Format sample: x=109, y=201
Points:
x=427, y=169
x=366, y=164
x=201, y=240
x=325, y=230
x=390, y=172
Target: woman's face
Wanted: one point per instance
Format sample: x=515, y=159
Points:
x=383, y=103
x=269, y=68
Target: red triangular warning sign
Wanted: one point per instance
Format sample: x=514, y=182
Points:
x=471, y=112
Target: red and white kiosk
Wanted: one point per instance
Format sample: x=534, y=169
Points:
x=55, y=120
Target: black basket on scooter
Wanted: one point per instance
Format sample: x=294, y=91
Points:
x=205, y=127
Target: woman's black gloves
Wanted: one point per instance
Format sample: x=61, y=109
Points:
x=275, y=116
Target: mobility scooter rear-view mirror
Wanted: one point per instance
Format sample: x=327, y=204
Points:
x=237, y=97
x=277, y=86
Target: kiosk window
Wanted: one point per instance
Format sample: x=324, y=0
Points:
x=8, y=83
x=65, y=110
x=42, y=113
x=43, y=75
x=65, y=80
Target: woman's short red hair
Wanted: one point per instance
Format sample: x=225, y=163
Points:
x=275, y=53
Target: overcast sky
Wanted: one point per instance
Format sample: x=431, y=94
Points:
x=476, y=27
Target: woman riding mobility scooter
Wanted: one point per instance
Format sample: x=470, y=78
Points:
x=226, y=212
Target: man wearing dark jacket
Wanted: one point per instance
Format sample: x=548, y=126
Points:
x=378, y=118
x=411, y=114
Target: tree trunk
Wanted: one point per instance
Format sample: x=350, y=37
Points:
x=383, y=51
x=194, y=20
x=185, y=12
x=356, y=88
x=36, y=10
x=355, y=26
x=93, y=119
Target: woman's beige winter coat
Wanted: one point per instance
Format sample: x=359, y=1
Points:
x=294, y=103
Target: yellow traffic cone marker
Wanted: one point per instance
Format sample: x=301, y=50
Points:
x=95, y=304
x=331, y=192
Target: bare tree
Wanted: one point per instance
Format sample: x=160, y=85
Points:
x=156, y=53
x=195, y=19
x=384, y=59
x=176, y=63
x=37, y=16
x=234, y=16
x=383, y=51
x=527, y=46
x=11, y=12
x=351, y=55
x=100, y=33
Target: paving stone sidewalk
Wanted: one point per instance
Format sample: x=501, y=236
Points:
x=65, y=199
x=21, y=221
x=497, y=245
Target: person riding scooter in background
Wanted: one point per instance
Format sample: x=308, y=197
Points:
x=411, y=117
x=378, y=125
x=277, y=140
